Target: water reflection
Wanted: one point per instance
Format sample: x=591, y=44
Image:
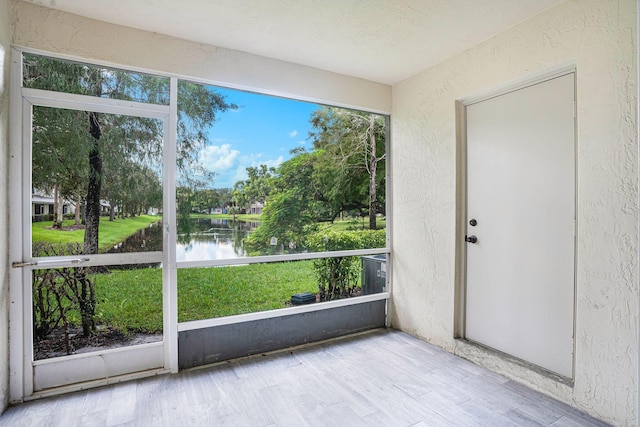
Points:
x=197, y=239
x=207, y=239
x=146, y=240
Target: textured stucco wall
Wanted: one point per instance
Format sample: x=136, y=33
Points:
x=53, y=31
x=599, y=37
x=5, y=53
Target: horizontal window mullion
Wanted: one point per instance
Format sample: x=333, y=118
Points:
x=94, y=260
x=280, y=258
x=72, y=101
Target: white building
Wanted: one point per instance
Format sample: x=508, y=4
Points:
x=42, y=207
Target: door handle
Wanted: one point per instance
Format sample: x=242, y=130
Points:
x=46, y=261
x=470, y=239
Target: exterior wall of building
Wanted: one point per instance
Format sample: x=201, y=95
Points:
x=5, y=64
x=599, y=38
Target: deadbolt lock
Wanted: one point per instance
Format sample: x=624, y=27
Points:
x=470, y=239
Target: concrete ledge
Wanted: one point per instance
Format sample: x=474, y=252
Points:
x=199, y=347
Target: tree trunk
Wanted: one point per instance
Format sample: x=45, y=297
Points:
x=92, y=222
x=55, y=207
x=78, y=209
x=87, y=300
x=60, y=210
x=112, y=211
x=57, y=211
x=92, y=215
x=373, y=163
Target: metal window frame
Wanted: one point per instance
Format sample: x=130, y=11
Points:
x=22, y=101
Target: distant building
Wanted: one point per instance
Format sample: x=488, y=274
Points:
x=255, y=208
x=42, y=208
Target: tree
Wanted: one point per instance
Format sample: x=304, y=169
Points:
x=256, y=188
x=294, y=203
x=58, y=165
x=207, y=200
x=225, y=197
x=344, y=172
x=354, y=143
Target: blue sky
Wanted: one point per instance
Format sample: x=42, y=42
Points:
x=261, y=131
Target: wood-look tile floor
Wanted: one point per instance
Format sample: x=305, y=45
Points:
x=382, y=378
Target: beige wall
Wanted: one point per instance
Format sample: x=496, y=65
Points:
x=59, y=32
x=5, y=51
x=599, y=37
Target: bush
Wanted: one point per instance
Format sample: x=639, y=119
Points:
x=58, y=293
x=339, y=277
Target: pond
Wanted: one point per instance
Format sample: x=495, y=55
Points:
x=197, y=239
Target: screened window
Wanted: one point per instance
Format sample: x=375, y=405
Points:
x=272, y=202
x=41, y=72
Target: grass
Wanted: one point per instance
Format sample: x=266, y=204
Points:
x=131, y=300
x=352, y=224
x=110, y=232
x=224, y=291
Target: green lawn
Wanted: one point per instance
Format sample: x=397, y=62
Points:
x=132, y=299
x=352, y=224
x=224, y=291
x=110, y=232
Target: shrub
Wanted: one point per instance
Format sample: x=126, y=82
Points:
x=338, y=277
x=58, y=292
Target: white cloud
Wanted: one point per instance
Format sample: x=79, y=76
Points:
x=293, y=134
x=230, y=166
x=272, y=163
x=219, y=158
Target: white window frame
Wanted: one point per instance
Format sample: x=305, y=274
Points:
x=20, y=238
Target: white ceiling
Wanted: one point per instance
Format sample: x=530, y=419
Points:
x=385, y=41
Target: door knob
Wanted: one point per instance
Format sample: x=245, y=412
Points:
x=470, y=239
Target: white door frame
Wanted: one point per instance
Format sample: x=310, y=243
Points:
x=22, y=366
x=461, y=176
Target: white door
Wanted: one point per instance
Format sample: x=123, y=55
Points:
x=520, y=223
x=58, y=277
